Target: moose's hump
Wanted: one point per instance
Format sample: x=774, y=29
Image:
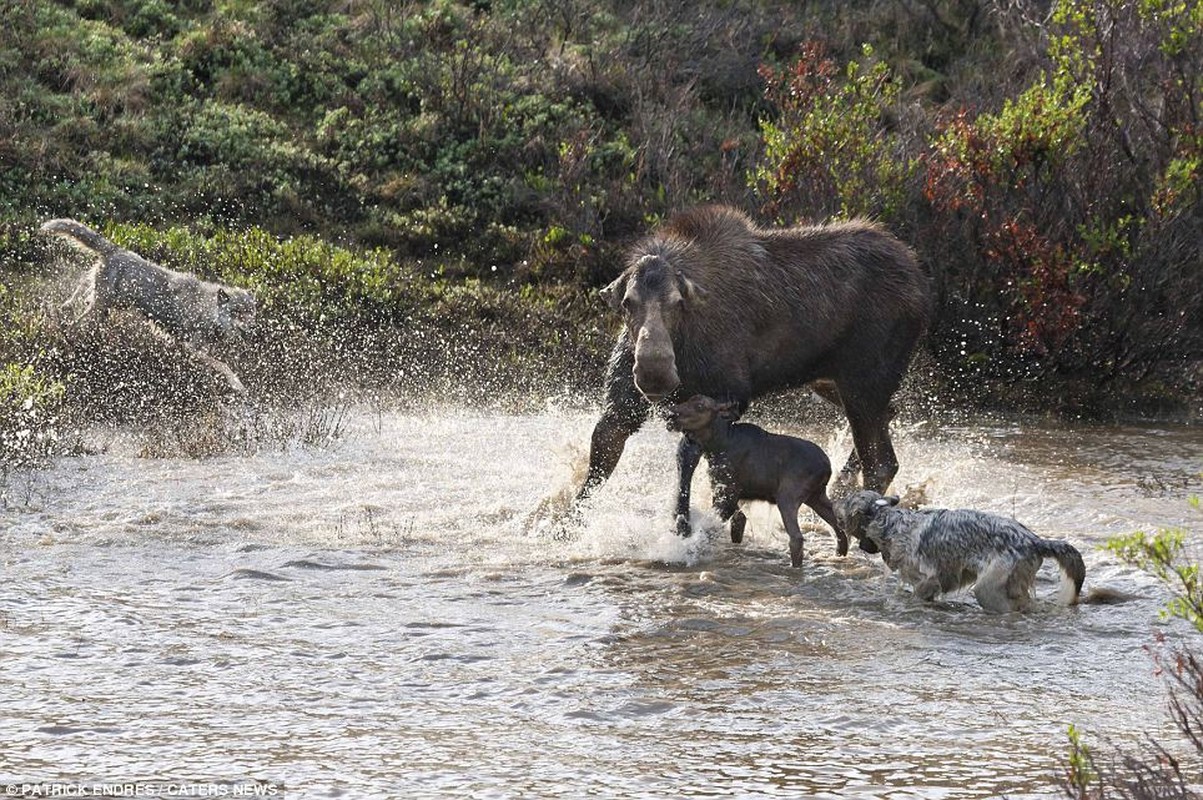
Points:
x=706, y=224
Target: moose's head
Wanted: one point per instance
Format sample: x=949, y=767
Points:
x=654, y=298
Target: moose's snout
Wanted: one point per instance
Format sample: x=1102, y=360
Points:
x=655, y=369
x=657, y=382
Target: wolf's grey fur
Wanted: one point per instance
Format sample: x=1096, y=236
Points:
x=938, y=551
x=715, y=305
x=191, y=311
x=748, y=463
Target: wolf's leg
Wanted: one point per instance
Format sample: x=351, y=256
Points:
x=200, y=356
x=85, y=289
x=1020, y=582
x=218, y=366
x=991, y=587
x=928, y=589
x=952, y=581
x=80, y=287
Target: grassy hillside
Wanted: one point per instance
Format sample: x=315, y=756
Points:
x=439, y=187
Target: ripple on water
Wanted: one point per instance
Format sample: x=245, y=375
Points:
x=379, y=619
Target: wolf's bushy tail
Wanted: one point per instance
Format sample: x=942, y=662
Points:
x=1070, y=561
x=80, y=233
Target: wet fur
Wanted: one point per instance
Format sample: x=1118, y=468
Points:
x=941, y=551
x=192, y=312
x=776, y=308
x=748, y=463
x=746, y=310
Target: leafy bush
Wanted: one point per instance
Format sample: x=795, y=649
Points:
x=829, y=151
x=1049, y=220
x=1045, y=166
x=1061, y=227
x=30, y=423
x=1157, y=773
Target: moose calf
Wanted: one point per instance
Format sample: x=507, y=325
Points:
x=748, y=463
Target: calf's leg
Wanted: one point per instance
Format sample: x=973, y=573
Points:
x=822, y=507
x=738, y=522
x=727, y=503
x=788, y=506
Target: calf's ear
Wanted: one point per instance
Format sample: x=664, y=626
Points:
x=728, y=410
x=613, y=293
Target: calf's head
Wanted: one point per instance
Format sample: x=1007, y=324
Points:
x=654, y=298
x=699, y=413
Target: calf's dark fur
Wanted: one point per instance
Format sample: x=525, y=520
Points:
x=714, y=304
x=748, y=463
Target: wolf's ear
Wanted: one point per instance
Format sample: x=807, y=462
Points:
x=223, y=297
x=613, y=293
x=887, y=501
x=693, y=293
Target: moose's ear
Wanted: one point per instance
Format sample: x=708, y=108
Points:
x=613, y=293
x=729, y=410
x=691, y=291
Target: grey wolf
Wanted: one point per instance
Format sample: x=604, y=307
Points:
x=748, y=463
x=713, y=304
x=940, y=551
x=192, y=312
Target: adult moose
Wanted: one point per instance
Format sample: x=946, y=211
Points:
x=716, y=305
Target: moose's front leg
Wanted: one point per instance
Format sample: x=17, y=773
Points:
x=689, y=453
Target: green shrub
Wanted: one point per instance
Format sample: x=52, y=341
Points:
x=829, y=150
x=1048, y=224
x=30, y=422
x=1046, y=172
x=1155, y=773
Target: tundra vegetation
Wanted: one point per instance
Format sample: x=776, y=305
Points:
x=422, y=192
x=1158, y=770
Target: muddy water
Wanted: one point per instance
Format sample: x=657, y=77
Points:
x=383, y=617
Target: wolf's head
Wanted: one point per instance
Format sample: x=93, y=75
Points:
x=235, y=311
x=856, y=513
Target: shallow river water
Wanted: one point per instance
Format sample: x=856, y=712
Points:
x=387, y=617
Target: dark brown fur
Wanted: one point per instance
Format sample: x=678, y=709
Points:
x=747, y=462
x=716, y=305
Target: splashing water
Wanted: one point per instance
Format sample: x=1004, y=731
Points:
x=392, y=614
